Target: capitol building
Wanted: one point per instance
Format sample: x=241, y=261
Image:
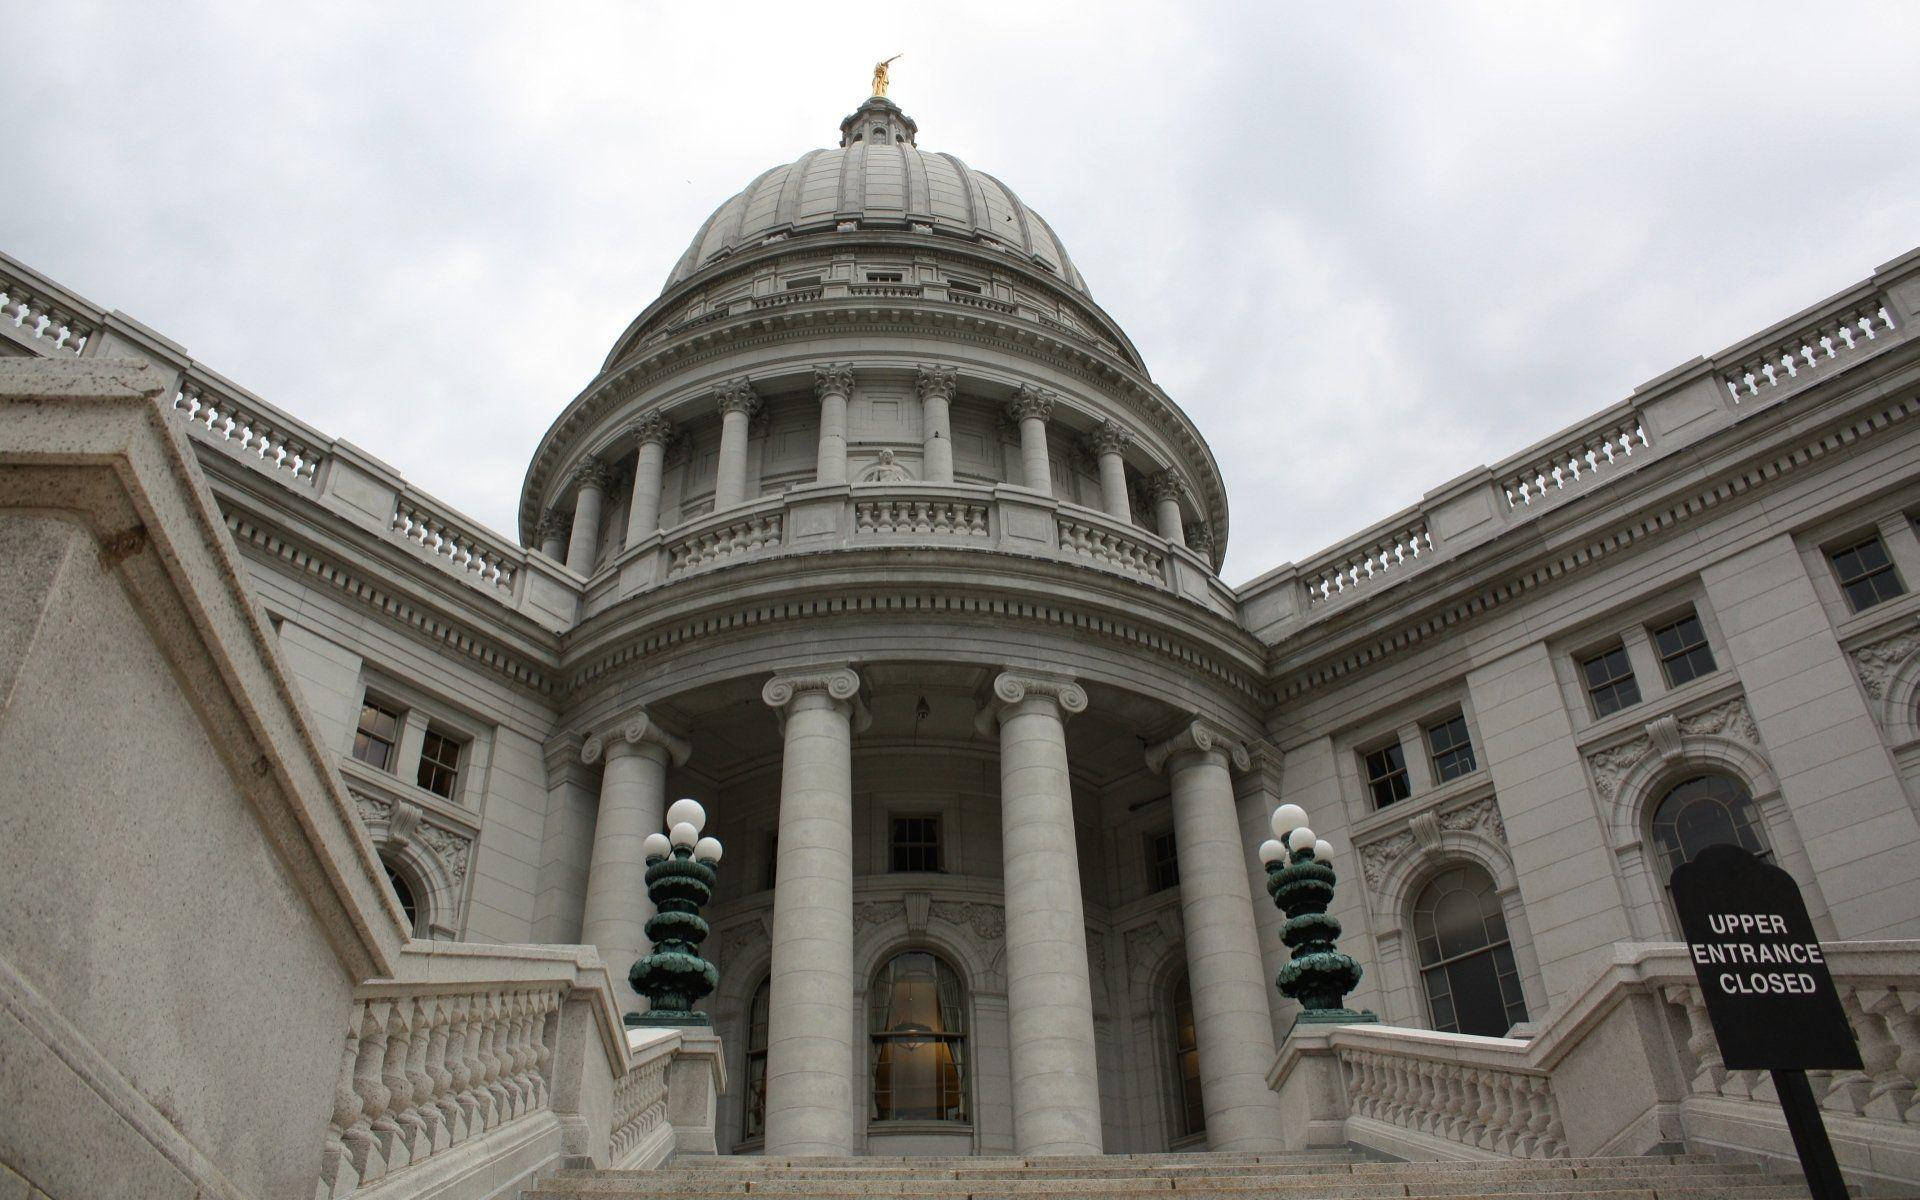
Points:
x=875, y=535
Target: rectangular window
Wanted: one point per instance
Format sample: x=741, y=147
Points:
x=773, y=861
x=1451, y=748
x=374, y=740
x=1610, y=683
x=1683, y=650
x=916, y=843
x=961, y=285
x=1387, y=775
x=1866, y=574
x=1163, y=861
x=802, y=284
x=439, y=763
x=885, y=277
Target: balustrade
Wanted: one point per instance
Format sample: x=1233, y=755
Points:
x=1585, y=456
x=919, y=515
x=219, y=416
x=483, y=559
x=58, y=330
x=1826, y=341
x=1351, y=568
x=1112, y=549
x=639, y=1106
x=1503, y=1109
x=705, y=547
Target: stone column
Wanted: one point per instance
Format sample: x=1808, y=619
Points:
x=738, y=403
x=1232, y=1023
x=633, y=790
x=1031, y=408
x=1106, y=443
x=811, y=1018
x=936, y=386
x=643, y=514
x=551, y=533
x=1165, y=489
x=589, y=490
x=1056, y=1084
x=833, y=384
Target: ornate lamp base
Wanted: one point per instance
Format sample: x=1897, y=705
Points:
x=658, y=1019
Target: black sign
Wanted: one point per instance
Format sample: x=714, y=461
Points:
x=1761, y=969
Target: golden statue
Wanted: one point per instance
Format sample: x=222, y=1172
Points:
x=880, y=76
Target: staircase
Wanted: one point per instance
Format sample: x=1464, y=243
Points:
x=1306, y=1175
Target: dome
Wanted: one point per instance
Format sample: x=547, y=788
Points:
x=878, y=178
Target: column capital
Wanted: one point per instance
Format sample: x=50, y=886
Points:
x=636, y=728
x=833, y=379
x=1029, y=401
x=737, y=395
x=837, y=681
x=1014, y=687
x=935, y=382
x=653, y=427
x=552, y=523
x=1200, y=736
x=592, y=473
x=1165, y=485
x=1108, y=437
x=1200, y=537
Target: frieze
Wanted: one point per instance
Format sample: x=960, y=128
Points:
x=1728, y=719
x=1877, y=661
x=1426, y=831
x=877, y=912
x=986, y=922
x=409, y=824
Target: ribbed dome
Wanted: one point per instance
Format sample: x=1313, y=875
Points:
x=878, y=179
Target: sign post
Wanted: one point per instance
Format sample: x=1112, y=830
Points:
x=1768, y=992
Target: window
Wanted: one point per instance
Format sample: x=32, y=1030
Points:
x=374, y=740
x=917, y=1041
x=916, y=844
x=1683, y=650
x=961, y=285
x=773, y=860
x=1163, y=861
x=1190, y=1114
x=1387, y=775
x=753, y=1123
x=1707, y=810
x=1466, y=961
x=809, y=281
x=1451, y=748
x=885, y=277
x=404, y=894
x=1609, y=680
x=439, y=763
x=1866, y=574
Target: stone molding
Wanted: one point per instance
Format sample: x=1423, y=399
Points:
x=1877, y=662
x=1424, y=834
x=1663, y=735
x=1165, y=485
x=1013, y=687
x=1200, y=736
x=1108, y=437
x=737, y=396
x=635, y=729
x=653, y=427
x=592, y=473
x=935, y=382
x=833, y=379
x=987, y=922
x=1031, y=402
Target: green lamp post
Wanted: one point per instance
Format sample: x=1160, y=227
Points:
x=681, y=874
x=1300, y=879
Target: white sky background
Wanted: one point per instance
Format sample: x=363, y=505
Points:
x=1367, y=247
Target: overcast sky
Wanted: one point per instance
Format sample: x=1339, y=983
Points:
x=1367, y=247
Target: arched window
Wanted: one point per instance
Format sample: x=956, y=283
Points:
x=1466, y=962
x=1190, y=1115
x=918, y=1040
x=404, y=892
x=754, y=1124
x=1707, y=810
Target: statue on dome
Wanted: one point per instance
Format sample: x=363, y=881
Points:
x=880, y=76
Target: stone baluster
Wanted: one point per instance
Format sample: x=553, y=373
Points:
x=633, y=788
x=1107, y=443
x=551, y=533
x=484, y=1116
x=1872, y=1011
x=486, y=1013
x=364, y=1142
x=652, y=432
x=1031, y=408
x=810, y=1031
x=936, y=386
x=833, y=384
x=445, y=1097
x=1056, y=1092
x=337, y=1176
x=1702, y=1047
x=426, y=1107
x=738, y=403
x=1165, y=489
x=590, y=482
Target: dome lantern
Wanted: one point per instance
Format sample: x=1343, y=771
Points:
x=878, y=121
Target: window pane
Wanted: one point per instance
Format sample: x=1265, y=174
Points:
x=373, y=740
x=917, y=1016
x=1467, y=966
x=1190, y=1109
x=1163, y=862
x=916, y=844
x=1866, y=575
x=1707, y=810
x=1683, y=650
x=439, y=763
x=1610, y=682
x=1387, y=775
x=1452, y=750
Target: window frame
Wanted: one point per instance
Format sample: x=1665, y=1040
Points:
x=397, y=713
x=1888, y=569
x=1686, y=652
x=1504, y=968
x=428, y=765
x=1592, y=690
x=961, y=1062
x=1396, y=779
x=1188, y=1089
x=1154, y=863
x=936, y=845
x=1463, y=747
x=751, y=1058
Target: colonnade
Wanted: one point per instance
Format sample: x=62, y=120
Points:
x=577, y=542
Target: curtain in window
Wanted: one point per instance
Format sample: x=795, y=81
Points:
x=917, y=1041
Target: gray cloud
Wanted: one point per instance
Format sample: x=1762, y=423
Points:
x=1367, y=247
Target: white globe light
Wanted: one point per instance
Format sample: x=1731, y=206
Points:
x=656, y=845
x=684, y=834
x=1272, y=852
x=1323, y=850
x=1287, y=818
x=708, y=850
x=687, y=812
x=1300, y=839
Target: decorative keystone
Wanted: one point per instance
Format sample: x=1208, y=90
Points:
x=1110, y=437
x=737, y=395
x=592, y=473
x=654, y=427
x=834, y=379
x=936, y=383
x=1300, y=879
x=1030, y=402
x=1199, y=737
x=639, y=729
x=1165, y=485
x=682, y=871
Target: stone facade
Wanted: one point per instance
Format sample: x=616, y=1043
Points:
x=875, y=535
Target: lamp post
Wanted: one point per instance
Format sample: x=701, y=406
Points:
x=681, y=874
x=1300, y=879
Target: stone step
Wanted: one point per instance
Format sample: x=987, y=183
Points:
x=634, y=1185
x=755, y=1162
x=1516, y=1171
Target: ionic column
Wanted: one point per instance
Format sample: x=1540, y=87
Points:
x=643, y=515
x=1105, y=443
x=633, y=789
x=1056, y=1083
x=936, y=386
x=738, y=403
x=590, y=490
x=1232, y=1024
x=1165, y=489
x=1032, y=407
x=810, y=1031
x=833, y=384
x=551, y=533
